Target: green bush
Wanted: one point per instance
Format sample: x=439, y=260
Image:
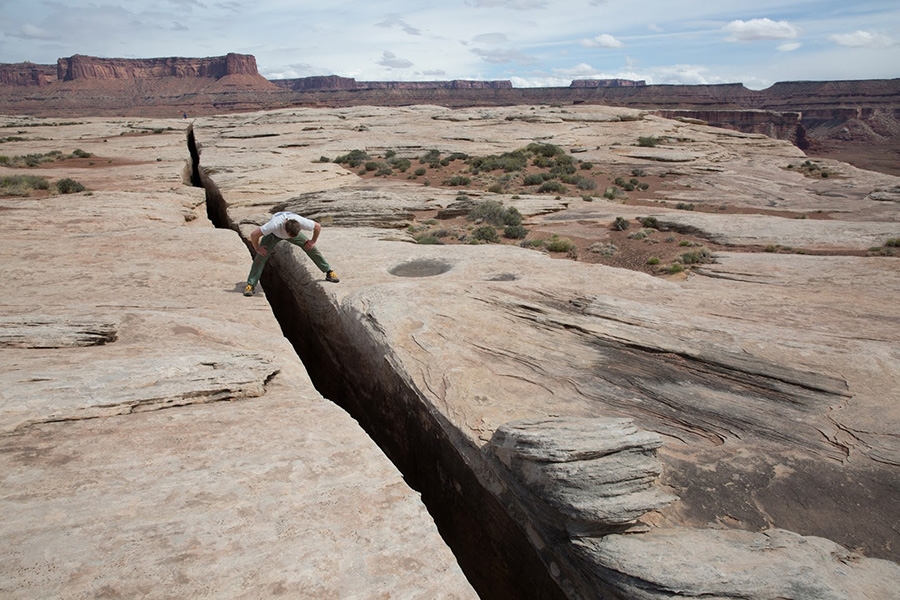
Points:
x=353, y=159
x=621, y=224
x=457, y=180
x=515, y=232
x=508, y=161
x=649, y=222
x=432, y=157
x=78, y=153
x=401, y=164
x=371, y=165
x=558, y=244
x=21, y=185
x=893, y=243
x=697, y=257
x=486, y=233
x=324, y=159
x=493, y=212
x=552, y=187
x=586, y=166
x=547, y=150
x=611, y=193
x=533, y=179
x=684, y=206
x=652, y=261
x=68, y=186
x=420, y=171
x=676, y=268
x=648, y=141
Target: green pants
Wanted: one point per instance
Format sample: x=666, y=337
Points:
x=269, y=242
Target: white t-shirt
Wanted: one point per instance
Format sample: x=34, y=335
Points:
x=276, y=224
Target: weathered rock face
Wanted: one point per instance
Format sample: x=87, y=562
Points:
x=158, y=435
x=27, y=74
x=769, y=378
x=90, y=67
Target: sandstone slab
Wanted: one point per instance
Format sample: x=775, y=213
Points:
x=159, y=436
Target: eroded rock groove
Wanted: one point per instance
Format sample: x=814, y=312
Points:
x=352, y=371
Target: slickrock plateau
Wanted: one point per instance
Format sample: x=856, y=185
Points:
x=576, y=429
x=160, y=438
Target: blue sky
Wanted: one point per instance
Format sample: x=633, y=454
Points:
x=530, y=42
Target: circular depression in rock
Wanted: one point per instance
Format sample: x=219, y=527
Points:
x=423, y=267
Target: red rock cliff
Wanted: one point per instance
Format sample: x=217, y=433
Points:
x=90, y=67
x=27, y=74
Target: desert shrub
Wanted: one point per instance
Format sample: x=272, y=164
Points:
x=68, y=186
x=4, y=160
x=587, y=198
x=684, y=206
x=427, y=238
x=611, y=193
x=324, y=159
x=515, y=232
x=493, y=212
x=21, y=185
x=457, y=180
x=489, y=211
x=638, y=172
x=543, y=162
x=390, y=154
x=353, y=159
x=420, y=171
x=653, y=260
x=384, y=170
x=495, y=188
x=78, y=153
x=644, y=185
x=552, y=187
x=619, y=181
x=531, y=243
x=508, y=161
x=371, y=165
x=648, y=141
x=675, y=268
x=699, y=256
x=582, y=183
x=558, y=244
x=548, y=150
x=893, y=243
x=401, y=164
x=533, y=179
x=628, y=187
x=649, y=222
x=486, y=233
x=586, y=166
x=511, y=216
x=433, y=157
x=621, y=224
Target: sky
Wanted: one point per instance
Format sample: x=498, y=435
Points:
x=532, y=43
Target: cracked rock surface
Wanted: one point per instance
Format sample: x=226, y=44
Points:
x=158, y=436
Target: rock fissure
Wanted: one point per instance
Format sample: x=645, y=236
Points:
x=492, y=549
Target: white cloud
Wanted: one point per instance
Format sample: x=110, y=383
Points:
x=760, y=29
x=513, y=4
x=30, y=32
x=789, y=46
x=490, y=38
x=504, y=56
x=390, y=60
x=396, y=21
x=604, y=40
x=862, y=39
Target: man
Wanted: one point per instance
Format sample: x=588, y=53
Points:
x=285, y=226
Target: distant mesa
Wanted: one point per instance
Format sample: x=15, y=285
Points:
x=90, y=67
x=335, y=82
x=606, y=83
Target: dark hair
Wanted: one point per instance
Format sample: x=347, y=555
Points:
x=292, y=228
